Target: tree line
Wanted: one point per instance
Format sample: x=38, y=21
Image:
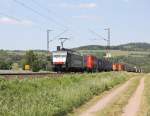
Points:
x=13, y=60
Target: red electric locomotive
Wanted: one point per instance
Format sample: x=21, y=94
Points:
x=91, y=63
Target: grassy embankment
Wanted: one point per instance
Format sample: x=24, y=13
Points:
x=115, y=108
x=53, y=96
x=145, y=105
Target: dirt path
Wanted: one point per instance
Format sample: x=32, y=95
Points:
x=133, y=106
x=105, y=100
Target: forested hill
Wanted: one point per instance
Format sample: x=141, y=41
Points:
x=126, y=47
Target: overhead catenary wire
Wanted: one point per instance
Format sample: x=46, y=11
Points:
x=9, y=16
x=45, y=8
x=53, y=13
x=35, y=11
x=18, y=19
x=40, y=14
x=60, y=34
x=49, y=10
x=98, y=35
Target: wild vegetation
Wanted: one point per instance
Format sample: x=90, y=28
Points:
x=145, y=105
x=53, y=96
x=37, y=60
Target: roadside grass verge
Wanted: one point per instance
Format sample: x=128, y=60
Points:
x=115, y=108
x=53, y=96
x=145, y=105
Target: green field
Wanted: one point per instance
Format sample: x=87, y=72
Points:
x=115, y=53
x=54, y=96
x=145, y=105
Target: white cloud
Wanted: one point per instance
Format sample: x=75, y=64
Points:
x=90, y=17
x=81, y=6
x=10, y=21
x=88, y=5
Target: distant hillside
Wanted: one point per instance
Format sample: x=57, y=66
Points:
x=91, y=47
x=126, y=47
x=133, y=47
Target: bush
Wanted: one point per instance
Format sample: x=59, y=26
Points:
x=5, y=65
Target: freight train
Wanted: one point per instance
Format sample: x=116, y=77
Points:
x=65, y=60
x=126, y=67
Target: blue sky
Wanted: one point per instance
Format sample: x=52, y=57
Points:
x=21, y=28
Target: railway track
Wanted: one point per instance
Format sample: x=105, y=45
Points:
x=22, y=75
x=28, y=73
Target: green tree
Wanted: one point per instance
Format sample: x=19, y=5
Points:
x=32, y=59
x=36, y=65
x=5, y=65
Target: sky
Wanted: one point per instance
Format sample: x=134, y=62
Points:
x=23, y=23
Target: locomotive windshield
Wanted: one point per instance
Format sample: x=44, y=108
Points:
x=59, y=57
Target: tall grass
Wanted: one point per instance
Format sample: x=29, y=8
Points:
x=147, y=93
x=145, y=105
x=53, y=96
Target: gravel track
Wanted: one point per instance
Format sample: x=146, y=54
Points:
x=102, y=103
x=132, y=108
